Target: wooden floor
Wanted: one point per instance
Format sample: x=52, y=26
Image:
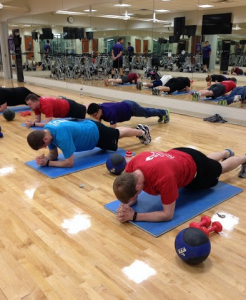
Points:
x=57, y=241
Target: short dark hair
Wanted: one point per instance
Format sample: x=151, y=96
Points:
x=208, y=78
x=48, y=41
x=233, y=79
x=207, y=42
x=93, y=108
x=35, y=139
x=124, y=186
x=32, y=97
x=120, y=38
x=129, y=43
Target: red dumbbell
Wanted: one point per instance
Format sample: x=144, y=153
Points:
x=205, y=222
x=216, y=227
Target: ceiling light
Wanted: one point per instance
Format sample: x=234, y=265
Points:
x=236, y=28
x=166, y=0
x=162, y=10
x=1, y=6
x=90, y=10
x=66, y=12
x=27, y=25
x=205, y=6
x=122, y=5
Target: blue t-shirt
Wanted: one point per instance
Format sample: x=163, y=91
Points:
x=206, y=51
x=116, y=112
x=130, y=50
x=72, y=136
x=117, y=49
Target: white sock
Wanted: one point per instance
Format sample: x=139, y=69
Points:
x=144, y=83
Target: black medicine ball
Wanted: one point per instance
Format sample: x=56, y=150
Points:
x=116, y=163
x=9, y=114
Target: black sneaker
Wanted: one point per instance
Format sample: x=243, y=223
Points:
x=165, y=118
x=141, y=137
x=155, y=91
x=242, y=172
x=146, y=136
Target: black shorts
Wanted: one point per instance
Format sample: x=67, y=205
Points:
x=208, y=170
x=117, y=63
x=76, y=110
x=124, y=79
x=206, y=61
x=108, y=137
x=175, y=84
x=218, y=90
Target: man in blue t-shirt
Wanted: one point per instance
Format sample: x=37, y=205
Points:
x=117, y=52
x=77, y=136
x=206, y=56
x=123, y=111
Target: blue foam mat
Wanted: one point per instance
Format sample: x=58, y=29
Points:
x=210, y=99
x=189, y=204
x=82, y=160
x=19, y=108
x=32, y=127
x=125, y=84
x=179, y=93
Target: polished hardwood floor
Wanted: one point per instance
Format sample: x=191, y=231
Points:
x=59, y=242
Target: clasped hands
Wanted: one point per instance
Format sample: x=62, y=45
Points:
x=125, y=213
x=29, y=123
x=41, y=160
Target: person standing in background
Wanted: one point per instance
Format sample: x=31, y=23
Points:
x=117, y=52
x=206, y=56
x=130, y=51
x=47, y=49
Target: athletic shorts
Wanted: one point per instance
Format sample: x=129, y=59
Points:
x=175, y=84
x=124, y=79
x=217, y=89
x=208, y=170
x=156, y=83
x=76, y=110
x=206, y=61
x=108, y=137
x=117, y=63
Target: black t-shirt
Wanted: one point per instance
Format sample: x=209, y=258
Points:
x=178, y=84
x=218, y=78
x=13, y=96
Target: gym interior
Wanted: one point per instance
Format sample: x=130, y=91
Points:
x=57, y=239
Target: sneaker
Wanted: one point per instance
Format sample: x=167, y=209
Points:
x=155, y=91
x=139, y=85
x=106, y=82
x=237, y=98
x=231, y=153
x=242, y=172
x=195, y=96
x=222, y=102
x=141, y=138
x=165, y=118
x=146, y=136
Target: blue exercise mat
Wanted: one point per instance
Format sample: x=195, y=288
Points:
x=32, y=127
x=125, y=84
x=211, y=99
x=179, y=93
x=82, y=160
x=18, y=108
x=189, y=204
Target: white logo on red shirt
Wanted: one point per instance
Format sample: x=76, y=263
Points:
x=159, y=154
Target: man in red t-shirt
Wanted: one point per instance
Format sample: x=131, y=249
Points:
x=216, y=90
x=130, y=78
x=163, y=173
x=53, y=108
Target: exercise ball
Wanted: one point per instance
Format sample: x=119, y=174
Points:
x=9, y=114
x=116, y=163
x=192, y=245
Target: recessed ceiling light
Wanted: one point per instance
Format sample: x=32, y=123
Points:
x=90, y=10
x=123, y=5
x=27, y=25
x=66, y=12
x=162, y=10
x=205, y=6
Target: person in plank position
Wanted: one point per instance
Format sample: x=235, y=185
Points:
x=163, y=173
x=130, y=78
x=123, y=111
x=216, y=78
x=174, y=84
x=77, y=136
x=13, y=97
x=53, y=108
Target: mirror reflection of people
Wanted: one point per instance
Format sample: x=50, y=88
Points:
x=216, y=78
x=164, y=173
x=237, y=71
x=155, y=83
x=206, y=56
x=117, y=53
x=129, y=78
x=174, y=84
x=72, y=136
x=47, y=49
x=236, y=95
x=130, y=51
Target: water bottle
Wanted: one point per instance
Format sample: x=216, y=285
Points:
x=81, y=92
x=128, y=156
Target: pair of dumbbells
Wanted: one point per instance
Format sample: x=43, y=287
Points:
x=204, y=224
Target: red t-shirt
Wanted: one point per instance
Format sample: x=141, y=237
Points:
x=164, y=172
x=52, y=107
x=132, y=76
x=229, y=85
